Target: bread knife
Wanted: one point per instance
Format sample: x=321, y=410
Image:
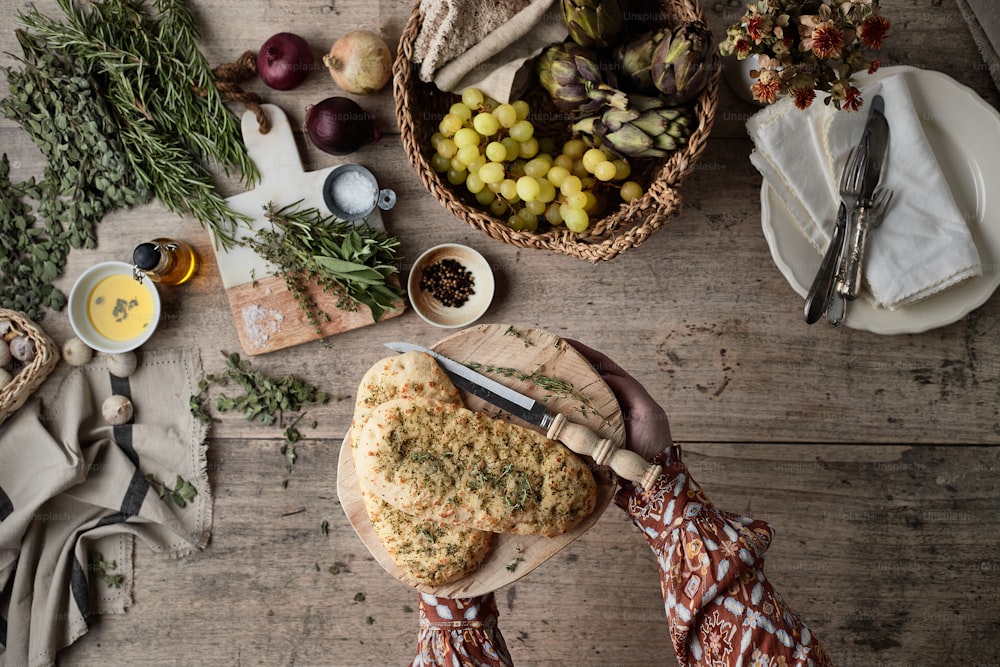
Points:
x=578, y=438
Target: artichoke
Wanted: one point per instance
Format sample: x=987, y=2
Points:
x=572, y=76
x=635, y=58
x=593, y=23
x=682, y=63
x=647, y=129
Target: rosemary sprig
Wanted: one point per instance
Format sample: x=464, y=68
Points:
x=556, y=387
x=353, y=263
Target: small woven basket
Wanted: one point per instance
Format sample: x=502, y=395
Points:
x=31, y=375
x=420, y=106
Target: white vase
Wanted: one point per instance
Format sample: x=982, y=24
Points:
x=737, y=74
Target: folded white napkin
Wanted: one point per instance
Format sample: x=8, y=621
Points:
x=923, y=245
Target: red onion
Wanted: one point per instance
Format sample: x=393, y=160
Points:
x=339, y=126
x=284, y=61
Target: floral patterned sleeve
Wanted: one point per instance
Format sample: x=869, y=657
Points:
x=460, y=631
x=721, y=609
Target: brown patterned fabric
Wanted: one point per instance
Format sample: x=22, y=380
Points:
x=720, y=608
x=460, y=631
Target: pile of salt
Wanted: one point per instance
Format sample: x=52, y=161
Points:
x=353, y=194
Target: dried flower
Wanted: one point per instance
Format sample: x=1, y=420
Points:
x=808, y=46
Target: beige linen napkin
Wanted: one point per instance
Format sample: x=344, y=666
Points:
x=923, y=245
x=72, y=485
x=484, y=43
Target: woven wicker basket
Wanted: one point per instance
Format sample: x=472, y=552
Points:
x=625, y=227
x=29, y=377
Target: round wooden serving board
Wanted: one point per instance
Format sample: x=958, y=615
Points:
x=548, y=369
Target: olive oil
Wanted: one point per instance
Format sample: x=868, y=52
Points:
x=119, y=308
x=165, y=261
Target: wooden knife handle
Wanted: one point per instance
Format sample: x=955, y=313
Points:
x=625, y=463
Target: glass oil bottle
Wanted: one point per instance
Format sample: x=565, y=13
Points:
x=165, y=261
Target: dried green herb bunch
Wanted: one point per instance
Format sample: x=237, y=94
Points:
x=161, y=91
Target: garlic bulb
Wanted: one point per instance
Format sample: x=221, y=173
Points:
x=5, y=355
x=116, y=410
x=23, y=349
x=76, y=352
x=122, y=364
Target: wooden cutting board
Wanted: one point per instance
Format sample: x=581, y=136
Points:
x=535, y=363
x=265, y=312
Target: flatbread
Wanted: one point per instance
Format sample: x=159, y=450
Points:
x=428, y=550
x=444, y=462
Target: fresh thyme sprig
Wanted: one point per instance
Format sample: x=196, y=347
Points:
x=353, y=263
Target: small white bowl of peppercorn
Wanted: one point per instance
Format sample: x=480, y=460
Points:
x=450, y=285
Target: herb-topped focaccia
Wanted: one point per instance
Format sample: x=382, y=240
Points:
x=430, y=551
x=440, y=461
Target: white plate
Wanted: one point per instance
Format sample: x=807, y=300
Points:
x=964, y=133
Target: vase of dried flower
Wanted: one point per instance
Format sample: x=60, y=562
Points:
x=737, y=75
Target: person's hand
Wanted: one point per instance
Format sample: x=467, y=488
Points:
x=647, y=429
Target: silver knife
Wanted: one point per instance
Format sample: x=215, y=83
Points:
x=876, y=143
x=578, y=438
x=818, y=299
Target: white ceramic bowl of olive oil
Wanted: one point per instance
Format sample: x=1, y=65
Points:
x=110, y=310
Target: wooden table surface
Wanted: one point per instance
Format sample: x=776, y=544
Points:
x=874, y=457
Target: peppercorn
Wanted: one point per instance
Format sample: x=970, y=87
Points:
x=449, y=282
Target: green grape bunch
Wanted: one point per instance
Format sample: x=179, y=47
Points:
x=491, y=149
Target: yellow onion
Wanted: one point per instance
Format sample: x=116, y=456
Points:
x=359, y=62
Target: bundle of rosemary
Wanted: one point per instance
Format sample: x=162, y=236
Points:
x=353, y=263
x=122, y=104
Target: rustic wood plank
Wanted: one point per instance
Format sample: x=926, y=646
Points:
x=886, y=544
x=888, y=551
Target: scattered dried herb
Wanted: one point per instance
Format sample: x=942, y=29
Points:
x=265, y=399
x=324, y=527
x=103, y=569
x=353, y=263
x=514, y=563
x=511, y=331
x=359, y=597
x=182, y=493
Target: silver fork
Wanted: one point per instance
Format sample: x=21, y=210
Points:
x=837, y=307
x=819, y=297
